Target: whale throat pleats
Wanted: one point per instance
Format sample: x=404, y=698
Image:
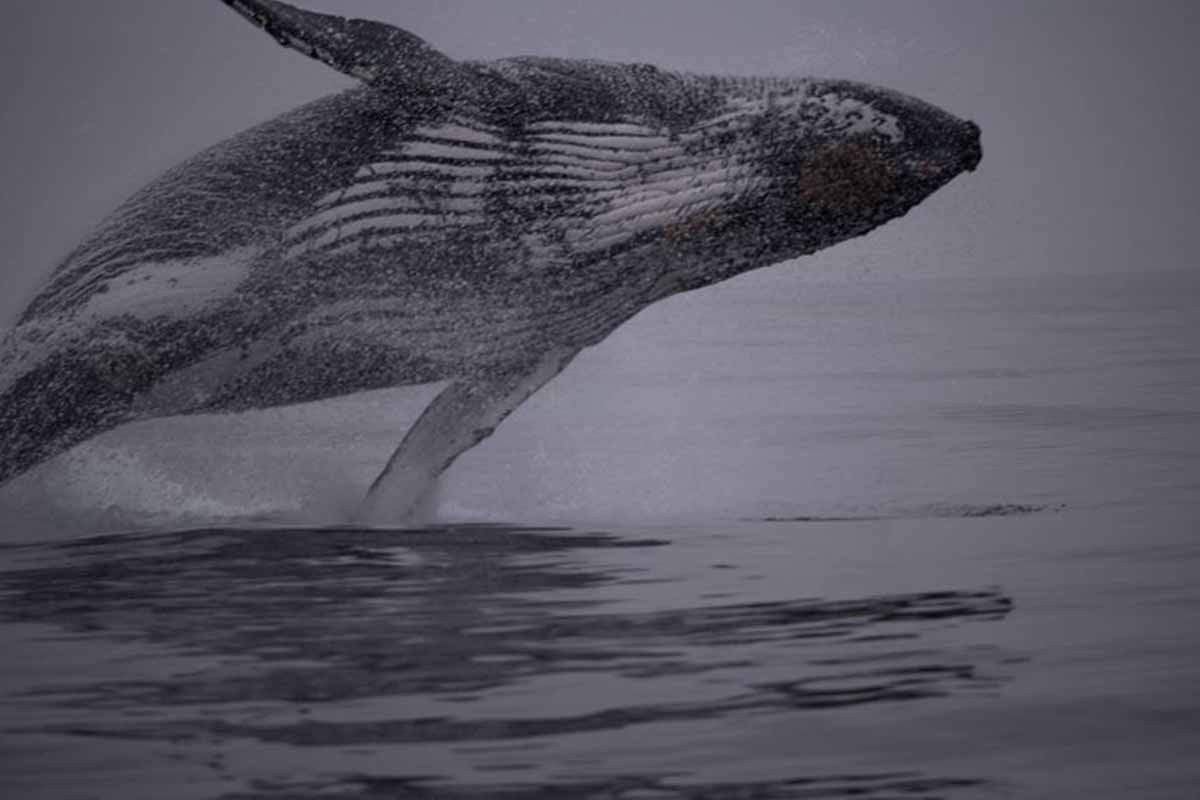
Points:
x=559, y=188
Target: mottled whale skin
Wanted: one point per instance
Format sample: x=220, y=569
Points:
x=471, y=222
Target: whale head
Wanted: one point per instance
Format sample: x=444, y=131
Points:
x=820, y=161
x=724, y=175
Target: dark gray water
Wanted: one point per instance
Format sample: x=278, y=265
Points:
x=912, y=541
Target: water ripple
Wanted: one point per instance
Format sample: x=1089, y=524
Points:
x=324, y=641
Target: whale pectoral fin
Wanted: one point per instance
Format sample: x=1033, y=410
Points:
x=463, y=415
x=373, y=52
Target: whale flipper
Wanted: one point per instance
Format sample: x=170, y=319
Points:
x=373, y=52
x=463, y=415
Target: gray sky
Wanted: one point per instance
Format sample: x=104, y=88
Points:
x=1088, y=108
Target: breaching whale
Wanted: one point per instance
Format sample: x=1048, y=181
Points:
x=477, y=223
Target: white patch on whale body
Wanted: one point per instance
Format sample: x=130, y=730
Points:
x=169, y=289
x=464, y=132
x=843, y=115
x=176, y=289
x=862, y=117
x=427, y=149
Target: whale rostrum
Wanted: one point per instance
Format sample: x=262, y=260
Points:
x=477, y=223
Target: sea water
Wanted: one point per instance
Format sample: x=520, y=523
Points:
x=786, y=538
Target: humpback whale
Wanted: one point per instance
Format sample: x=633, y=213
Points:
x=474, y=223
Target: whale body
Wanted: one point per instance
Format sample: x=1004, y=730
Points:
x=472, y=222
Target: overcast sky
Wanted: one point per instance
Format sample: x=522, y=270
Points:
x=1088, y=109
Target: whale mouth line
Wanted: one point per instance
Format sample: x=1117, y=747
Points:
x=936, y=171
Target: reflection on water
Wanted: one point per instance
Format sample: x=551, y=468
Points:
x=638, y=788
x=427, y=663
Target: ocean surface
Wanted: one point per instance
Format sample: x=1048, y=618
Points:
x=792, y=537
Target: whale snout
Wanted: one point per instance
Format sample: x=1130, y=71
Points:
x=941, y=144
x=935, y=144
x=971, y=146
